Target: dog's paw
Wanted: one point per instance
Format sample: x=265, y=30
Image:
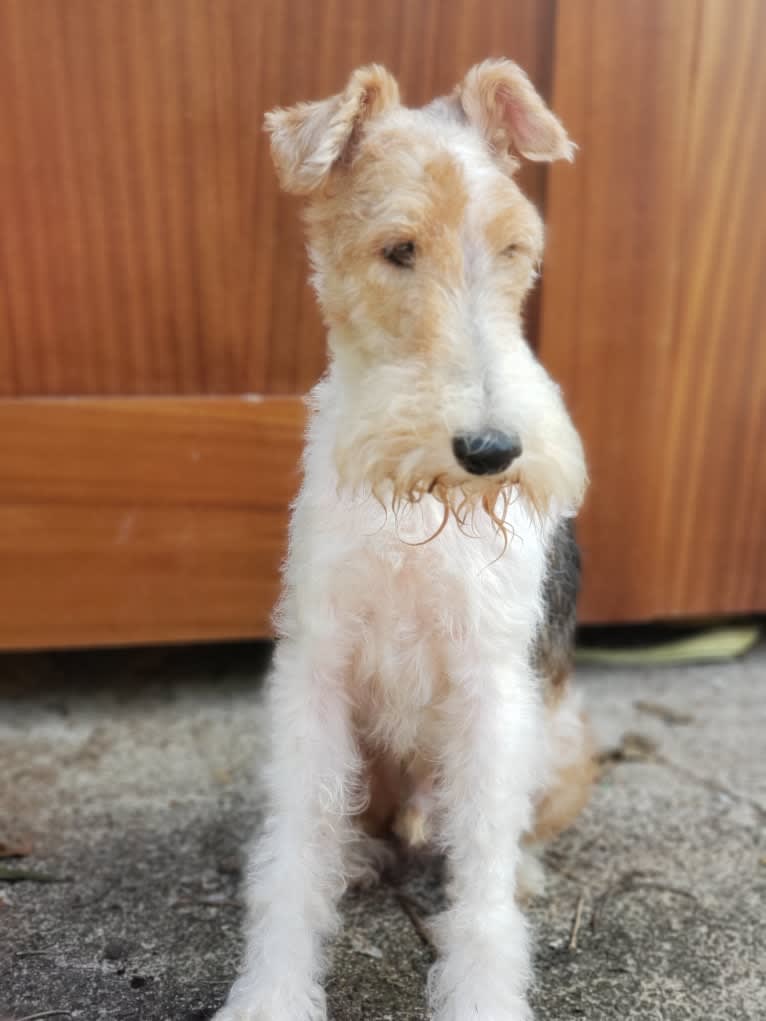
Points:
x=234, y=1012
x=488, y=997
x=243, y=1006
x=240, y=1011
x=520, y=1012
x=231, y=1013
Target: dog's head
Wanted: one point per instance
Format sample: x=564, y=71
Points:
x=423, y=250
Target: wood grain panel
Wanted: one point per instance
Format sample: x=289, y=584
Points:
x=713, y=504
x=143, y=520
x=124, y=148
x=652, y=318
x=144, y=248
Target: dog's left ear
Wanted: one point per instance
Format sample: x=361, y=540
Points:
x=310, y=140
x=500, y=101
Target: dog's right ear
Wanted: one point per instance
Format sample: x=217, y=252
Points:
x=311, y=139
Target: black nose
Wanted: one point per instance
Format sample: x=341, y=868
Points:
x=486, y=453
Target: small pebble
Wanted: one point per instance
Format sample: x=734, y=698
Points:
x=361, y=946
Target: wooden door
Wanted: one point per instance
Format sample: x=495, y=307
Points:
x=156, y=327
x=653, y=306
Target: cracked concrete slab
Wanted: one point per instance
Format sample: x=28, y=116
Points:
x=131, y=778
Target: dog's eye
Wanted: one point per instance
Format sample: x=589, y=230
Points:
x=401, y=254
x=510, y=251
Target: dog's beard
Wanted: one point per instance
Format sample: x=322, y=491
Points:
x=403, y=474
x=468, y=501
x=465, y=501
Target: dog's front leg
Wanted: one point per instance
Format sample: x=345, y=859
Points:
x=491, y=759
x=295, y=876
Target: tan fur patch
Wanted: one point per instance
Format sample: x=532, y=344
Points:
x=512, y=221
x=424, y=204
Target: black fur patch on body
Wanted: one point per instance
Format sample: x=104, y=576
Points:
x=553, y=651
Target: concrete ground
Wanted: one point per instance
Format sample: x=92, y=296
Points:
x=130, y=780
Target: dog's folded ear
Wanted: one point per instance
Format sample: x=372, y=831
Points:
x=499, y=100
x=311, y=139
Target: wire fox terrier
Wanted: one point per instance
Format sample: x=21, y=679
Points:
x=427, y=616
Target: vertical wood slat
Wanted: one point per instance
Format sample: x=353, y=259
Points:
x=651, y=316
x=714, y=500
x=121, y=230
x=144, y=248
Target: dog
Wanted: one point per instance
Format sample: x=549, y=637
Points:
x=420, y=681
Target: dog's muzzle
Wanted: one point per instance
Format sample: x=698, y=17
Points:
x=486, y=453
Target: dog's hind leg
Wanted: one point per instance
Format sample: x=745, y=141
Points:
x=573, y=768
x=572, y=764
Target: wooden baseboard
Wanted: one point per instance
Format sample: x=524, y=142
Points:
x=143, y=520
x=126, y=521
